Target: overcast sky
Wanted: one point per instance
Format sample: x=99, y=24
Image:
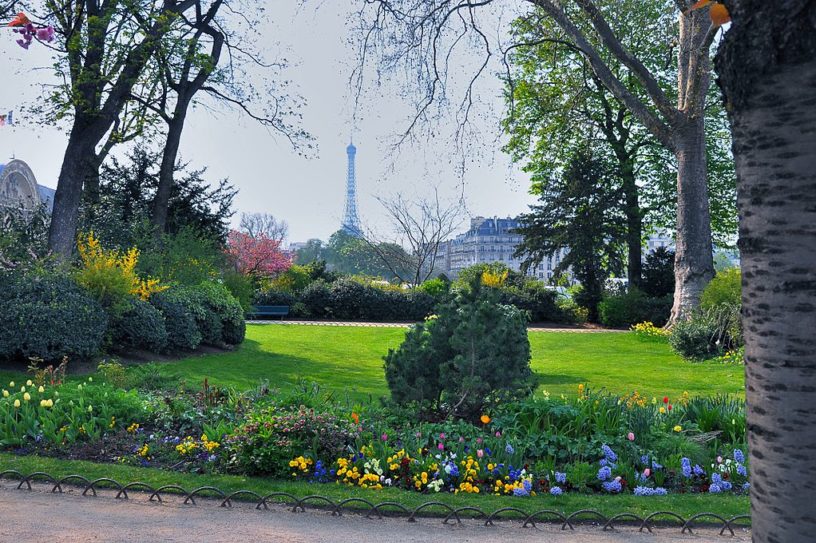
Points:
x=307, y=193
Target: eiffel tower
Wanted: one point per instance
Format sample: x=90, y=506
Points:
x=351, y=221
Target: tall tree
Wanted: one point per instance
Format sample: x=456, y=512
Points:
x=767, y=69
x=415, y=33
x=555, y=102
x=579, y=211
x=211, y=56
x=105, y=46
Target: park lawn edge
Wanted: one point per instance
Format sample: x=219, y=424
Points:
x=685, y=505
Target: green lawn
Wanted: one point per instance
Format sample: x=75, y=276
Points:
x=348, y=360
x=684, y=504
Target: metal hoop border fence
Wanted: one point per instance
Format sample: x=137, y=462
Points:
x=89, y=487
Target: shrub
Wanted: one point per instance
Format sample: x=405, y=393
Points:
x=627, y=309
x=179, y=319
x=140, y=326
x=724, y=290
x=658, y=273
x=241, y=287
x=475, y=352
x=49, y=317
x=696, y=338
x=540, y=302
x=437, y=287
x=110, y=275
x=316, y=298
x=218, y=300
x=274, y=296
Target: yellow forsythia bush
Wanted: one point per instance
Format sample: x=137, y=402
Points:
x=110, y=275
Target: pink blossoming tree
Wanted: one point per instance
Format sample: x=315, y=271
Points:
x=257, y=256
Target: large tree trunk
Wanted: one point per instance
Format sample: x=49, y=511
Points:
x=694, y=255
x=168, y=167
x=767, y=66
x=78, y=164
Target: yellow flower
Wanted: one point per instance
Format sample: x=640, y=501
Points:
x=678, y=428
x=662, y=410
x=43, y=403
x=29, y=383
x=22, y=388
x=49, y=403
x=485, y=419
x=5, y=393
x=16, y=403
x=26, y=396
x=11, y=384
x=90, y=409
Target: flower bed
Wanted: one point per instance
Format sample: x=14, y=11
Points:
x=589, y=443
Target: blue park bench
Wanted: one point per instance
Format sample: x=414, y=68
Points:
x=269, y=311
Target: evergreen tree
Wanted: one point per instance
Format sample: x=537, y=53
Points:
x=578, y=211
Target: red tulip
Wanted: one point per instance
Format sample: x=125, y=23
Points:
x=665, y=399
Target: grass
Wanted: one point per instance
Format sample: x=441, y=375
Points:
x=685, y=505
x=348, y=360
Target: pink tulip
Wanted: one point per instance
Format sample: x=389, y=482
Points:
x=442, y=436
x=647, y=472
x=719, y=459
x=631, y=436
x=384, y=437
x=441, y=447
x=461, y=439
x=480, y=453
x=478, y=441
x=498, y=434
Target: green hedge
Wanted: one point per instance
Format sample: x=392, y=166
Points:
x=179, y=321
x=624, y=310
x=49, y=317
x=141, y=326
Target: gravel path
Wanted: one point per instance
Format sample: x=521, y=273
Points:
x=39, y=516
x=406, y=325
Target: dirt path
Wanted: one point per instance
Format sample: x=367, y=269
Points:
x=531, y=328
x=39, y=516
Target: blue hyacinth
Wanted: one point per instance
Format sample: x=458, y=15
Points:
x=644, y=459
x=715, y=489
x=608, y=453
x=646, y=491
x=742, y=470
x=560, y=477
x=739, y=456
x=556, y=491
x=685, y=467
x=746, y=487
x=604, y=473
x=509, y=449
x=520, y=492
x=716, y=478
x=698, y=470
x=612, y=486
x=528, y=486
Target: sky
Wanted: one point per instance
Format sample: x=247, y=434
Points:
x=308, y=193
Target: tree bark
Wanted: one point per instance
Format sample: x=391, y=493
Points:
x=767, y=66
x=78, y=165
x=694, y=252
x=694, y=256
x=161, y=201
